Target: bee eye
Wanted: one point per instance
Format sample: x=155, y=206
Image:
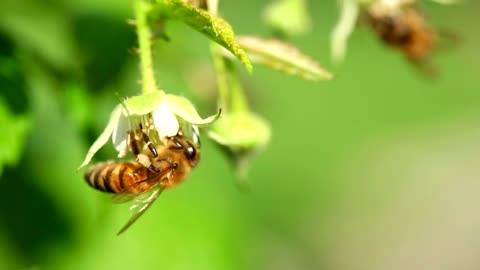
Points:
x=190, y=152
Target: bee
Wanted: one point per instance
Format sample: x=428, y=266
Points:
x=406, y=30
x=155, y=169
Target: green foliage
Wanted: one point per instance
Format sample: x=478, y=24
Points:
x=17, y=18
x=215, y=28
x=13, y=137
x=320, y=193
x=240, y=131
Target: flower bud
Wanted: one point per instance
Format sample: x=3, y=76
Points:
x=243, y=135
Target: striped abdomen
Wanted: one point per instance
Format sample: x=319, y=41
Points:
x=115, y=176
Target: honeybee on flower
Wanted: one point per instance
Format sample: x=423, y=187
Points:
x=155, y=128
x=162, y=114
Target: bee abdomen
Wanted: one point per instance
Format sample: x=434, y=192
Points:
x=111, y=177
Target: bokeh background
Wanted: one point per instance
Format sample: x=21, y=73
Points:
x=377, y=169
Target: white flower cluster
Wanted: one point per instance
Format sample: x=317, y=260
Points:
x=163, y=113
x=165, y=124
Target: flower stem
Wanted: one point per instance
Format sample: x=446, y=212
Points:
x=219, y=63
x=238, y=99
x=231, y=96
x=144, y=35
x=221, y=74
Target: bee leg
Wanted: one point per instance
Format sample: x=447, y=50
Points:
x=157, y=170
x=133, y=143
x=153, y=168
x=177, y=143
x=142, y=158
x=196, y=136
x=146, y=162
x=146, y=139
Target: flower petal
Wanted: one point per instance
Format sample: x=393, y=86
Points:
x=165, y=121
x=145, y=103
x=120, y=135
x=185, y=110
x=103, y=138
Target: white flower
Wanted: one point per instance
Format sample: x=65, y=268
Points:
x=167, y=113
x=119, y=135
x=165, y=121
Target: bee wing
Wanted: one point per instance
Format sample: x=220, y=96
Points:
x=141, y=206
x=133, y=191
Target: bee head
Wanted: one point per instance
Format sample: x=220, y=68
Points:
x=191, y=153
x=187, y=147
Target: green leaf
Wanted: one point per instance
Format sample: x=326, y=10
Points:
x=284, y=57
x=104, y=137
x=217, y=29
x=145, y=103
x=12, y=139
x=185, y=109
x=288, y=16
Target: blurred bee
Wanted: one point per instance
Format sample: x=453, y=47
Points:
x=407, y=31
x=156, y=168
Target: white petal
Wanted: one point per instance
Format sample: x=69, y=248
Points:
x=120, y=136
x=165, y=121
x=103, y=138
x=184, y=109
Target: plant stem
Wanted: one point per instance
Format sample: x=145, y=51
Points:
x=221, y=74
x=227, y=77
x=145, y=46
x=219, y=63
x=238, y=100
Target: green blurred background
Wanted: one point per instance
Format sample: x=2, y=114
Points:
x=377, y=169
